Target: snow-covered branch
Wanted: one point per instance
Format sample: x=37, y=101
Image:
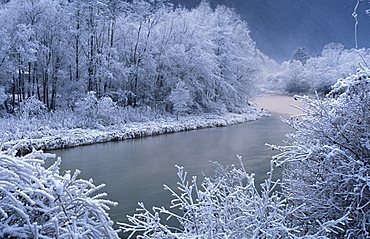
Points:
x=38, y=202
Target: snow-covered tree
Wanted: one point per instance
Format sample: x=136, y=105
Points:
x=133, y=51
x=320, y=72
x=294, y=80
x=3, y=96
x=38, y=202
x=180, y=98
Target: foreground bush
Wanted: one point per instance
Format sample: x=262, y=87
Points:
x=327, y=175
x=36, y=202
x=226, y=206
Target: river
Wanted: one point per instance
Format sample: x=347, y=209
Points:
x=135, y=170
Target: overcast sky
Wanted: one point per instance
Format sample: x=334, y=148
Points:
x=280, y=26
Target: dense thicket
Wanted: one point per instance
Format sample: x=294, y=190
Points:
x=327, y=174
x=225, y=206
x=137, y=53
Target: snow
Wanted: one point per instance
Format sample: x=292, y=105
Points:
x=47, y=138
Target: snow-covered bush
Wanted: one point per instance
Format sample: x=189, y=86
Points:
x=180, y=98
x=88, y=105
x=226, y=206
x=107, y=110
x=294, y=80
x=32, y=107
x=94, y=112
x=38, y=202
x=327, y=171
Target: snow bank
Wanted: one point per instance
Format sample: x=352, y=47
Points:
x=46, y=138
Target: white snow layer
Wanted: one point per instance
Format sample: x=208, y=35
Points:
x=64, y=138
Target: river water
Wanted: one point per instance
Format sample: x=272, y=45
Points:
x=135, y=170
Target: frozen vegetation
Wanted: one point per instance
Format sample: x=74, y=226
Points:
x=305, y=74
x=38, y=202
x=135, y=54
x=52, y=133
x=82, y=72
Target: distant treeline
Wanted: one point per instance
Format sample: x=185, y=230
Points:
x=310, y=74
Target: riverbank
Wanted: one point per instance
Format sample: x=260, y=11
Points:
x=48, y=139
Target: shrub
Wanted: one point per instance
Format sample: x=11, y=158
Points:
x=32, y=107
x=38, y=202
x=327, y=164
x=226, y=206
x=95, y=112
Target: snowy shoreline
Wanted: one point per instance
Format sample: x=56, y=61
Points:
x=67, y=138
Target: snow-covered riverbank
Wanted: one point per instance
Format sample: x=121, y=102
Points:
x=64, y=138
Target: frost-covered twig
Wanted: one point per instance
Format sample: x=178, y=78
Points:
x=226, y=206
x=36, y=202
x=327, y=162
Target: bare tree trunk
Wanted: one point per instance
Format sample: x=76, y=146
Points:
x=20, y=86
x=23, y=86
x=34, y=76
x=29, y=80
x=136, y=62
x=54, y=84
x=13, y=92
x=77, y=58
x=53, y=94
x=113, y=24
x=91, y=83
x=45, y=87
x=38, y=88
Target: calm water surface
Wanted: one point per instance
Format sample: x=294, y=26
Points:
x=135, y=170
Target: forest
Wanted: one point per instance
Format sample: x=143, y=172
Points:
x=138, y=54
x=83, y=70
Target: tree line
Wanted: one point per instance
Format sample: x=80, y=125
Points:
x=136, y=53
x=309, y=74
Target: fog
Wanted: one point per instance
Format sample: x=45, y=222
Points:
x=281, y=26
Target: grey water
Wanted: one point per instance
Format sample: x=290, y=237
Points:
x=135, y=170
